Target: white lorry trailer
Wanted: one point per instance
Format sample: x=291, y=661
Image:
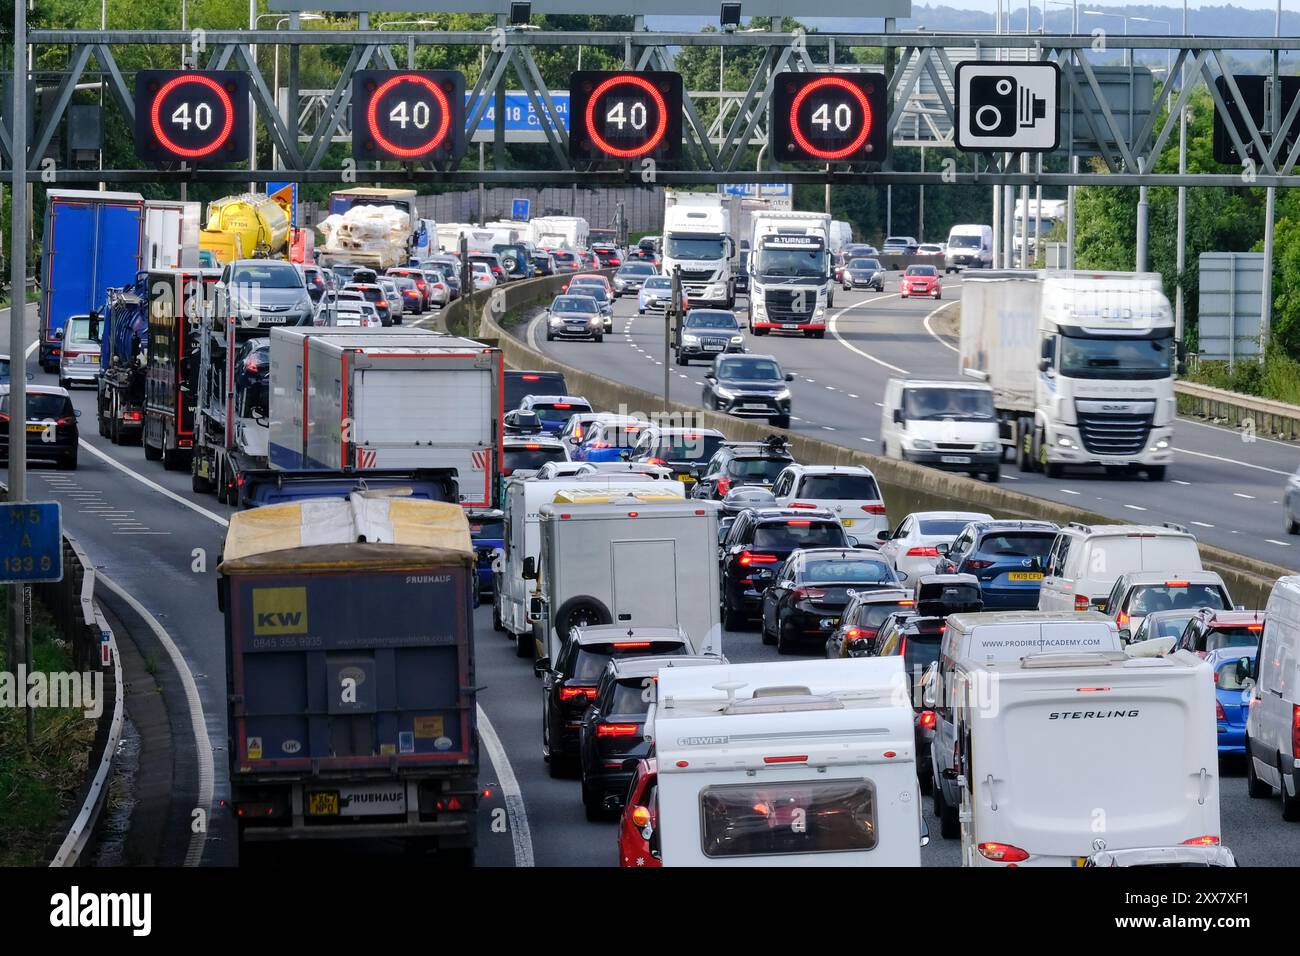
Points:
x=1081, y=365
x=700, y=239
x=791, y=282
x=559, y=232
x=171, y=234
x=809, y=763
x=634, y=559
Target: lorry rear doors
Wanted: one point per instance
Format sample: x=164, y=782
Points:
x=639, y=597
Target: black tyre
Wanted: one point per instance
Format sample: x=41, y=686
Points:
x=682, y=359
x=150, y=452
x=1292, y=526
x=1156, y=472
x=68, y=463
x=733, y=619
x=780, y=421
x=1255, y=788
x=994, y=476
x=949, y=825
x=200, y=485
x=173, y=459
x=525, y=647
x=1290, y=802
x=496, y=618
x=1024, y=447
x=760, y=331
x=578, y=612
x=600, y=337
x=591, y=803
x=782, y=645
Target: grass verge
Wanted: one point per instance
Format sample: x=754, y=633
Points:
x=1277, y=377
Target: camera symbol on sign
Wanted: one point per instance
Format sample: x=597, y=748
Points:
x=1005, y=106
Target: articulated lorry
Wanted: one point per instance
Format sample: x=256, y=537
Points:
x=1081, y=365
x=93, y=242
x=791, y=283
x=700, y=238
x=350, y=673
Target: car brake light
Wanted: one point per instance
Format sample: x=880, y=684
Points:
x=1002, y=852
x=69, y=420
x=930, y=552
x=1219, y=715
x=561, y=405
x=1207, y=840
x=798, y=524
x=1122, y=619
x=1081, y=602
x=655, y=461
x=532, y=378
x=383, y=303
x=802, y=504
x=631, y=645
x=1255, y=628
x=811, y=594
x=750, y=557
x=131, y=416
x=617, y=730
x=979, y=565
x=724, y=485
x=573, y=693
x=874, y=509
x=927, y=719
x=791, y=758
x=1295, y=729
x=532, y=446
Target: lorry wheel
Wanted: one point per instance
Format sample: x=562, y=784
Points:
x=524, y=645
x=819, y=334
x=682, y=359
x=1023, y=448
x=199, y=485
x=172, y=459
x=1156, y=473
x=1255, y=788
x=150, y=452
x=759, y=331
x=1290, y=801
x=781, y=421
x=496, y=619
x=949, y=825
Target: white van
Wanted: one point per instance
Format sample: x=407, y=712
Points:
x=986, y=638
x=1086, y=560
x=1063, y=755
x=787, y=764
x=1273, y=721
x=948, y=425
x=637, y=560
x=521, y=502
x=969, y=247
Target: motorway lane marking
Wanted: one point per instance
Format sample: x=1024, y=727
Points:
x=1134, y=507
x=520, y=834
x=851, y=395
x=1230, y=461
x=1202, y=524
x=1067, y=491
x=166, y=492
x=1238, y=494
x=935, y=335
x=1285, y=544
x=833, y=325
x=202, y=744
x=1177, y=482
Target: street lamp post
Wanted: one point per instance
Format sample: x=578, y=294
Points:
x=410, y=46
x=1074, y=160
x=1169, y=31
x=254, y=18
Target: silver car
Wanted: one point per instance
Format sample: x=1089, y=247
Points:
x=265, y=292
x=79, y=358
x=575, y=316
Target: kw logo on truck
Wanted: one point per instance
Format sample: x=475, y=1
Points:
x=280, y=611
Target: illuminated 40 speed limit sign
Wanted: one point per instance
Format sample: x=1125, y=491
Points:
x=408, y=115
x=199, y=117
x=625, y=115
x=830, y=117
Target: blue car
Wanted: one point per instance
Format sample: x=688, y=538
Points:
x=1232, y=698
x=1007, y=557
x=554, y=410
x=487, y=532
x=609, y=439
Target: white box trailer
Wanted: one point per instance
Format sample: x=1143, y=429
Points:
x=559, y=232
x=171, y=234
x=639, y=559
x=521, y=504
x=808, y=763
x=1066, y=754
x=374, y=401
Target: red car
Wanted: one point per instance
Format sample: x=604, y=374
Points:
x=587, y=278
x=922, y=280
x=641, y=812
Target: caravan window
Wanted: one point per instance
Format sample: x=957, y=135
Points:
x=788, y=816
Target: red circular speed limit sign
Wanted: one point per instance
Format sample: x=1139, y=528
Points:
x=624, y=115
x=191, y=116
x=408, y=115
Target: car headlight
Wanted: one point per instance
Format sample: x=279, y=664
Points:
x=922, y=444
x=556, y=320
x=819, y=313
x=690, y=340
x=724, y=393
x=597, y=320
x=988, y=446
x=782, y=395
x=737, y=340
x=1162, y=444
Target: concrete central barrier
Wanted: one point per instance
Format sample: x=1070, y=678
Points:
x=906, y=487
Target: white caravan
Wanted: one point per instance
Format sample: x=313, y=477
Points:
x=808, y=763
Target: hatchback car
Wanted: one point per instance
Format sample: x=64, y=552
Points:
x=1211, y=630
x=376, y=296
x=638, y=825
x=612, y=734
x=566, y=260
x=317, y=285
x=1167, y=625
x=587, y=278
x=570, y=682
x=862, y=618
x=350, y=313
x=555, y=410
x=759, y=542
x=849, y=491
x=80, y=351
x=481, y=276
x=51, y=426
x=492, y=262
x=742, y=463
x=864, y=274
x=630, y=276
x=530, y=453
x=685, y=450
x=520, y=383
x=1138, y=593
x=921, y=280
x=1233, y=667
x=656, y=294
x=900, y=246
x=749, y=386
x=608, y=256
x=1007, y=558
x=609, y=440
x=913, y=546
x=706, y=333
x=803, y=604
x=409, y=293
x=575, y=317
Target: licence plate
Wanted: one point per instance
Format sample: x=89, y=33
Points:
x=1025, y=576
x=713, y=348
x=847, y=522
x=955, y=459
x=37, y=428
x=1080, y=861
x=325, y=804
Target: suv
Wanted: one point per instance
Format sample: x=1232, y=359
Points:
x=555, y=410
x=1005, y=556
x=520, y=383
x=757, y=544
x=264, y=292
x=1085, y=560
x=570, y=683
x=51, y=426
x=1139, y=593
x=704, y=333
x=742, y=463
x=1211, y=629
x=749, y=386
x=848, y=490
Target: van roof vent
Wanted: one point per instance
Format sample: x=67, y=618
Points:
x=782, y=704
x=1058, y=659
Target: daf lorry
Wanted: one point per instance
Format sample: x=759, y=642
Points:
x=699, y=238
x=350, y=676
x=791, y=282
x=1081, y=365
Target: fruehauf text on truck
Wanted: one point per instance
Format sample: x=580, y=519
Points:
x=1081, y=365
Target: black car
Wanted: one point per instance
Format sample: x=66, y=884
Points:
x=861, y=620
x=864, y=273
x=918, y=641
x=543, y=264
x=613, y=727
x=804, y=602
x=742, y=463
x=522, y=383
x=608, y=256
x=758, y=543
x=569, y=683
x=749, y=386
x=706, y=333
x=317, y=285
x=521, y=422
x=51, y=426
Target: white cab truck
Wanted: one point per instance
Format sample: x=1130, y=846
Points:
x=521, y=503
x=700, y=239
x=791, y=283
x=634, y=559
x=559, y=232
x=809, y=763
x=1062, y=755
x=1081, y=365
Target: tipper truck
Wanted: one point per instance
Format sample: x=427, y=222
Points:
x=93, y=242
x=699, y=237
x=350, y=673
x=1081, y=365
x=791, y=283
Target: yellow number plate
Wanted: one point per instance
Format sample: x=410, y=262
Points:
x=36, y=428
x=323, y=804
x=1025, y=576
x=1080, y=861
x=847, y=522
x=686, y=479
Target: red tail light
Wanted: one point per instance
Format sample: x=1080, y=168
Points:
x=724, y=485
x=927, y=719
x=655, y=461
x=68, y=420
x=1207, y=840
x=573, y=693
x=923, y=552
x=532, y=378
x=4, y=417
x=562, y=405
x=802, y=504
x=452, y=804
x=809, y=594
x=1081, y=602
x=131, y=416
x=750, y=557
x=632, y=645
x=1002, y=852
x=615, y=262
x=874, y=509
x=1295, y=730
x=798, y=524
x=1219, y=715
x=979, y=565
x=617, y=730
x=1123, y=619
x=382, y=303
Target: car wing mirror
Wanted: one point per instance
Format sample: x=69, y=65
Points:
x=530, y=568
x=943, y=548
x=898, y=416
x=789, y=376
x=929, y=683
x=541, y=666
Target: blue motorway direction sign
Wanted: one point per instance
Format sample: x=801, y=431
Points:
x=521, y=120
x=31, y=541
x=519, y=210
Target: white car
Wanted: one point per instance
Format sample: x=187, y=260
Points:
x=358, y=314
x=849, y=492
x=482, y=276
x=912, y=546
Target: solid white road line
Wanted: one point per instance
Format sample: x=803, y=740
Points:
x=1202, y=524
x=202, y=744
x=520, y=834
x=1229, y=461
x=1285, y=544
x=935, y=335
x=833, y=325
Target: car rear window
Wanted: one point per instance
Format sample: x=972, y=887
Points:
x=846, y=487
x=1222, y=637
x=42, y=406
x=943, y=526
x=1017, y=544
x=519, y=385
x=920, y=650
x=799, y=533
x=531, y=458
x=632, y=696
x=756, y=469
x=874, y=615
x=691, y=447
x=488, y=528
x=778, y=817
x=593, y=658
x=846, y=571
x=560, y=411
x=1230, y=677
x=1171, y=595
